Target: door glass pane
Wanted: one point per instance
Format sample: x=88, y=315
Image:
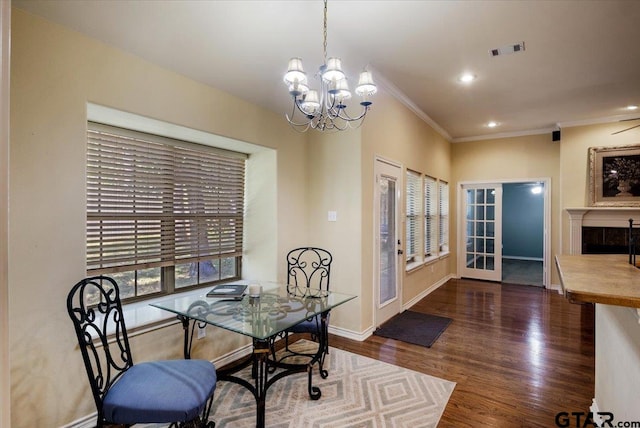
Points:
x=490, y=263
x=480, y=228
x=491, y=196
x=470, y=196
x=470, y=211
x=480, y=196
x=491, y=229
x=388, y=240
x=470, y=258
x=470, y=245
x=480, y=212
x=491, y=212
x=490, y=246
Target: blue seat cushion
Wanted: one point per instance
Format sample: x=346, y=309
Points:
x=311, y=325
x=160, y=391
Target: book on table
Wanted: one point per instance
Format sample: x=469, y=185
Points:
x=228, y=291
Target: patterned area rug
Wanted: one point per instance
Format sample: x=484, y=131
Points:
x=359, y=392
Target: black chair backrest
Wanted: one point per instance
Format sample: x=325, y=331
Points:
x=309, y=267
x=95, y=309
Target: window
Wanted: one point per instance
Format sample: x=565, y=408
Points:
x=162, y=215
x=443, y=212
x=414, y=214
x=430, y=218
x=427, y=218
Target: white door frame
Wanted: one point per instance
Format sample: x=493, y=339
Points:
x=376, y=233
x=546, y=256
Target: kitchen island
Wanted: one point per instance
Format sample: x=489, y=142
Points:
x=613, y=285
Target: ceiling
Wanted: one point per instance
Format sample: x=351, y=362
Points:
x=580, y=64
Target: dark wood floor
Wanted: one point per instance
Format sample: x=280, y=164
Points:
x=519, y=354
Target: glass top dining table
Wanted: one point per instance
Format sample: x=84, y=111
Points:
x=278, y=308
x=262, y=318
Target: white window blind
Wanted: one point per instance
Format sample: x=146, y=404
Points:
x=443, y=224
x=413, y=214
x=151, y=203
x=431, y=216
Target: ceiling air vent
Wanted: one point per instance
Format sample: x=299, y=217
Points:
x=507, y=49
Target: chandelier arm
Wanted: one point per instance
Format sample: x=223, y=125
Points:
x=331, y=122
x=299, y=127
x=292, y=121
x=345, y=116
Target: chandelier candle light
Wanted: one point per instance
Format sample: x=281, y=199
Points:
x=326, y=111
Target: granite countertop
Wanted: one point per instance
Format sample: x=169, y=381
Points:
x=599, y=278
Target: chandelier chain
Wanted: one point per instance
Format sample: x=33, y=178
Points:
x=325, y=32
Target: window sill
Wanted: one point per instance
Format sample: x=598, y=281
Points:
x=140, y=317
x=414, y=266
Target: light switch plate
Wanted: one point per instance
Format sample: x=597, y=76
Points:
x=332, y=216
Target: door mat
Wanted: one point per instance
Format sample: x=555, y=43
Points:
x=414, y=327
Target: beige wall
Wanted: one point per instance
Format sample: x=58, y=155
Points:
x=55, y=73
x=518, y=158
x=395, y=133
x=5, y=25
x=334, y=185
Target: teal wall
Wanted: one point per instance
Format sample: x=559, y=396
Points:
x=522, y=221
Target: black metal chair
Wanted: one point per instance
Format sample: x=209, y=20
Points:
x=308, y=274
x=179, y=392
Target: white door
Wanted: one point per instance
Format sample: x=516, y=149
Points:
x=387, y=241
x=481, y=255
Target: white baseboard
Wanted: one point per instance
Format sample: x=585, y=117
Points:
x=350, y=334
x=556, y=287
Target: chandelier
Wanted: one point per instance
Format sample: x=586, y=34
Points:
x=326, y=111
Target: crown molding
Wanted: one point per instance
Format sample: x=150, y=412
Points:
x=599, y=120
x=505, y=135
x=406, y=101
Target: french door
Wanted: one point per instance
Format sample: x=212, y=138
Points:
x=388, y=183
x=481, y=255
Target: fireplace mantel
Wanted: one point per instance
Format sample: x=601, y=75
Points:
x=597, y=217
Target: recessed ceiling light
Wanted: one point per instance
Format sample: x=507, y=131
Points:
x=492, y=124
x=632, y=107
x=467, y=78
